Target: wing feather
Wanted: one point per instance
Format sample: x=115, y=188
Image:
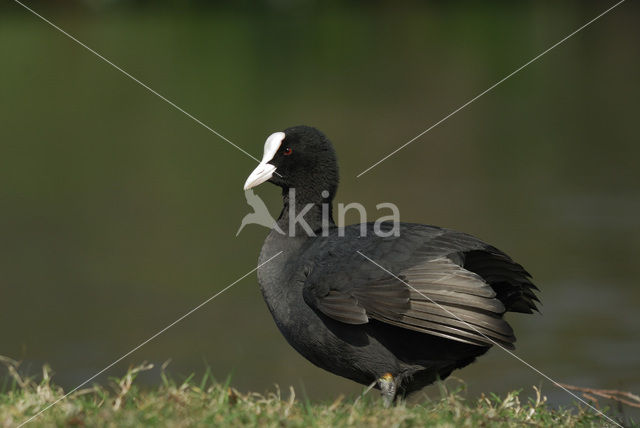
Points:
x=444, y=283
x=342, y=307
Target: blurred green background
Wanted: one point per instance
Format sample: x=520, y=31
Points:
x=118, y=213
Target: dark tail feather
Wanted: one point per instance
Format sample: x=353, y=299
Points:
x=508, y=279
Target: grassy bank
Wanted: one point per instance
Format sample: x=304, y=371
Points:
x=194, y=402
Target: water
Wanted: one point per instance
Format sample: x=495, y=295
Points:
x=118, y=213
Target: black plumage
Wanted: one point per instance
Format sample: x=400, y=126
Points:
x=402, y=310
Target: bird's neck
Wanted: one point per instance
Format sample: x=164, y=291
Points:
x=306, y=212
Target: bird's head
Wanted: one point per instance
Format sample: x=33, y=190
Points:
x=301, y=157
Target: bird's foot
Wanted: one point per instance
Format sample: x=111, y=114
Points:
x=387, y=385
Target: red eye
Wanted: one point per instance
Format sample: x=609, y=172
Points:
x=287, y=151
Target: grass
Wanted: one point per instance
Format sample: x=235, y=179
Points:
x=197, y=402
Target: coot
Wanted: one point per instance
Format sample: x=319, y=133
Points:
x=396, y=309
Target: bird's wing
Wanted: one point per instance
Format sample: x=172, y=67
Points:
x=418, y=282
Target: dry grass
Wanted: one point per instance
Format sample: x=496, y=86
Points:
x=206, y=402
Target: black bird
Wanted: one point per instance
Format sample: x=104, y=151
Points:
x=400, y=311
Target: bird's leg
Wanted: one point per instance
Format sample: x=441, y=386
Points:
x=387, y=385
